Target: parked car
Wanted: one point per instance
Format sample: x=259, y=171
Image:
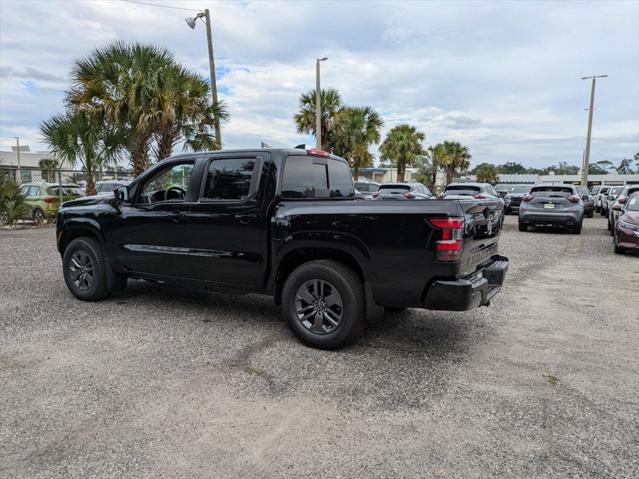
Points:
x=589, y=201
x=106, y=187
x=479, y=191
x=609, y=199
x=367, y=186
x=513, y=199
x=503, y=189
x=43, y=198
x=284, y=223
x=554, y=205
x=594, y=190
x=626, y=232
x=599, y=197
x=403, y=191
x=617, y=205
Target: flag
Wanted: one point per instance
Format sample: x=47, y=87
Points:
x=266, y=145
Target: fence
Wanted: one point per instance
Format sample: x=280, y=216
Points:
x=27, y=174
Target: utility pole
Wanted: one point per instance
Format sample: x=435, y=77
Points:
x=191, y=22
x=586, y=161
x=318, y=105
x=19, y=178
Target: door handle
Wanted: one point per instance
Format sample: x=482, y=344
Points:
x=245, y=219
x=177, y=215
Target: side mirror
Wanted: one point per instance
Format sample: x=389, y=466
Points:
x=121, y=193
x=622, y=200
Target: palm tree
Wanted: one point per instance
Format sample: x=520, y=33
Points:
x=305, y=117
x=120, y=84
x=487, y=173
x=355, y=129
x=456, y=157
x=403, y=147
x=436, y=155
x=183, y=113
x=48, y=167
x=79, y=136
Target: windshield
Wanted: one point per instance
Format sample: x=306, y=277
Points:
x=502, y=187
x=520, y=189
x=633, y=203
x=394, y=189
x=107, y=187
x=615, y=191
x=604, y=189
x=552, y=191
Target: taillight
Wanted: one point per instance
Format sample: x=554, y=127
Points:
x=316, y=152
x=449, y=247
x=574, y=199
x=51, y=199
x=409, y=196
x=479, y=196
x=527, y=198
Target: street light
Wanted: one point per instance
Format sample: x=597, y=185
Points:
x=586, y=160
x=191, y=22
x=318, y=104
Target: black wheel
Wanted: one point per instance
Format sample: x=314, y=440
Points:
x=603, y=212
x=590, y=214
x=609, y=225
x=38, y=216
x=323, y=302
x=85, y=272
x=577, y=228
x=618, y=249
x=523, y=227
x=4, y=218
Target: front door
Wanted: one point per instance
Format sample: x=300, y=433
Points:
x=150, y=233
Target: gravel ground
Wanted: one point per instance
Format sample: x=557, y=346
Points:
x=167, y=382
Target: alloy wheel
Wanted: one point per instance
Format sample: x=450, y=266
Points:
x=318, y=306
x=82, y=270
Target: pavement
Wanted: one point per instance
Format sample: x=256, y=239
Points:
x=168, y=382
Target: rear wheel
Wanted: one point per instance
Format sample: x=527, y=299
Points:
x=590, y=214
x=523, y=227
x=4, y=218
x=323, y=302
x=38, y=216
x=577, y=228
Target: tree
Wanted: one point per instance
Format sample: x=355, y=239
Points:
x=456, y=157
x=403, y=146
x=355, y=130
x=625, y=167
x=12, y=201
x=600, y=167
x=48, y=167
x=487, y=173
x=305, y=117
x=80, y=136
x=512, y=167
x=436, y=155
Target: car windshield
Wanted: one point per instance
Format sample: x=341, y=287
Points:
x=520, y=189
x=604, y=189
x=66, y=190
x=502, y=187
x=552, y=191
x=107, y=187
x=463, y=190
x=633, y=203
x=615, y=191
x=394, y=189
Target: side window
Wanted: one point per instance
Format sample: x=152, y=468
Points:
x=34, y=191
x=304, y=178
x=340, y=180
x=229, y=179
x=168, y=184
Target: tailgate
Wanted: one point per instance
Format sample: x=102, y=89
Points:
x=482, y=225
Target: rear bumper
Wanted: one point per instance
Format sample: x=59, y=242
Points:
x=470, y=292
x=544, y=218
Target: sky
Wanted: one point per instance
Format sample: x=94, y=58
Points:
x=503, y=78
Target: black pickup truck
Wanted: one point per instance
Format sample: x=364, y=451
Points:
x=284, y=222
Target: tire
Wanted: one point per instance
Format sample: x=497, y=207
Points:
x=38, y=216
x=523, y=227
x=96, y=280
x=577, y=228
x=4, y=218
x=618, y=249
x=603, y=212
x=301, y=293
x=609, y=225
x=590, y=214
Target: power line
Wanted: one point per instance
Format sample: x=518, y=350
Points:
x=161, y=6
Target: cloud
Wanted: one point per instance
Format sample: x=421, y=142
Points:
x=500, y=77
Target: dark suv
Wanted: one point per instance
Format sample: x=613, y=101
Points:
x=513, y=198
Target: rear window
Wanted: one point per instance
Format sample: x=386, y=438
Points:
x=520, y=189
x=304, y=177
x=556, y=191
x=463, y=190
x=394, y=189
x=66, y=190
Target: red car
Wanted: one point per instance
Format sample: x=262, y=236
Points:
x=626, y=232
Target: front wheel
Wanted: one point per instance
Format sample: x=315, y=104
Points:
x=38, y=216
x=577, y=228
x=323, y=302
x=523, y=227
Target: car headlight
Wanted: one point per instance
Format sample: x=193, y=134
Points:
x=628, y=226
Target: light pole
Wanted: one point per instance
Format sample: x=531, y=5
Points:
x=586, y=160
x=191, y=22
x=19, y=179
x=318, y=104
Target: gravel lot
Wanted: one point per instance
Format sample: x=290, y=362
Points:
x=167, y=382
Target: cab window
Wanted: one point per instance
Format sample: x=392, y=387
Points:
x=229, y=179
x=309, y=177
x=168, y=184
